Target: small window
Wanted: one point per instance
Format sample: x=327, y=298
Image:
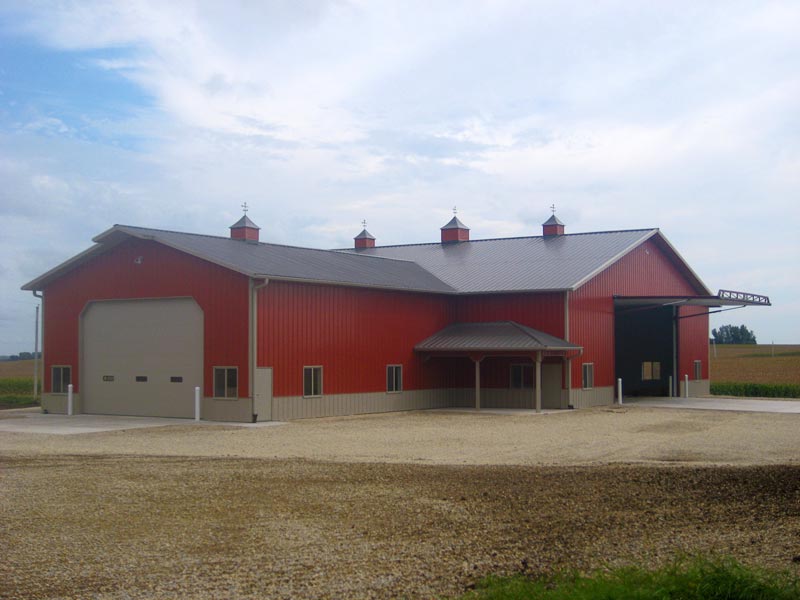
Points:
x=394, y=378
x=108, y=378
x=62, y=377
x=651, y=371
x=226, y=382
x=141, y=379
x=312, y=381
x=174, y=379
x=698, y=370
x=521, y=376
x=587, y=375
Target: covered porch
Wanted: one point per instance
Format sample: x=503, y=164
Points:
x=513, y=366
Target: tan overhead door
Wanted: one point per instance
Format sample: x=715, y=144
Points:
x=141, y=357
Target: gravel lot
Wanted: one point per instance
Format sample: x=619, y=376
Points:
x=412, y=505
x=585, y=437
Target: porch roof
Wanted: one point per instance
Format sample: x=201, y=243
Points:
x=498, y=336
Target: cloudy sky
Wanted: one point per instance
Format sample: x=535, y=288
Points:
x=678, y=115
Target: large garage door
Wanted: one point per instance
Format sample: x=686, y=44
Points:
x=142, y=357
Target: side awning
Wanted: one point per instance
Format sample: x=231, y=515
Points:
x=723, y=298
x=477, y=341
x=493, y=337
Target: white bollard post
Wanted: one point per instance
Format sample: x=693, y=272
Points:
x=685, y=386
x=619, y=390
x=69, y=400
x=671, y=392
x=197, y=404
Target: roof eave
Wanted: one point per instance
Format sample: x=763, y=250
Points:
x=698, y=281
x=39, y=283
x=613, y=260
x=393, y=288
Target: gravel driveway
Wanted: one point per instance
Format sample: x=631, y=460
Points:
x=603, y=435
x=415, y=505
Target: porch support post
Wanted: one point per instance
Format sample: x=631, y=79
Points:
x=477, y=382
x=539, y=381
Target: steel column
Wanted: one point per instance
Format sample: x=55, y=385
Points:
x=539, y=382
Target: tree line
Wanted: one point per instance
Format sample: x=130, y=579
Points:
x=731, y=334
x=21, y=356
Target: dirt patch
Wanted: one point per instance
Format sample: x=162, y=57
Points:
x=673, y=427
x=123, y=527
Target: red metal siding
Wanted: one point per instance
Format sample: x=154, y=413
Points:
x=353, y=333
x=163, y=272
x=540, y=311
x=455, y=235
x=245, y=233
x=692, y=341
x=645, y=271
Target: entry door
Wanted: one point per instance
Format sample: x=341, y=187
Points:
x=141, y=357
x=551, y=385
x=263, y=394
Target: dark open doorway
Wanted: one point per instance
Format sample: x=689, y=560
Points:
x=644, y=349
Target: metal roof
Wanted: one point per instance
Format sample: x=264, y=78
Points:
x=553, y=220
x=500, y=336
x=552, y=263
x=244, y=222
x=271, y=261
x=527, y=264
x=364, y=235
x=454, y=223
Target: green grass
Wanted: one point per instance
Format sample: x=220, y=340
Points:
x=12, y=401
x=18, y=386
x=758, y=390
x=769, y=354
x=693, y=579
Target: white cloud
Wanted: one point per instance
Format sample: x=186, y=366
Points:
x=680, y=115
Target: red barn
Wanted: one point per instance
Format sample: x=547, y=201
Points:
x=273, y=332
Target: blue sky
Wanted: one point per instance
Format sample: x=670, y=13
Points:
x=679, y=115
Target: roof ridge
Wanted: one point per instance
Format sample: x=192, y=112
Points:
x=220, y=237
x=527, y=331
x=502, y=239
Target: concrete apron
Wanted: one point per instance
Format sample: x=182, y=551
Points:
x=32, y=420
x=787, y=406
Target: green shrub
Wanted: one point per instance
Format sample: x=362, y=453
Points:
x=12, y=400
x=757, y=390
x=16, y=385
x=695, y=579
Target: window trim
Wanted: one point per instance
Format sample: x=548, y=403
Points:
x=321, y=386
x=524, y=367
x=584, y=378
x=698, y=372
x=214, y=382
x=394, y=379
x=653, y=376
x=61, y=382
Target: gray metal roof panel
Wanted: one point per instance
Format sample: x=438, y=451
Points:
x=553, y=220
x=518, y=264
x=364, y=235
x=306, y=264
x=500, y=336
x=244, y=222
x=454, y=223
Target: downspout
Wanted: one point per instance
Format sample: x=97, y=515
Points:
x=567, y=361
x=36, y=348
